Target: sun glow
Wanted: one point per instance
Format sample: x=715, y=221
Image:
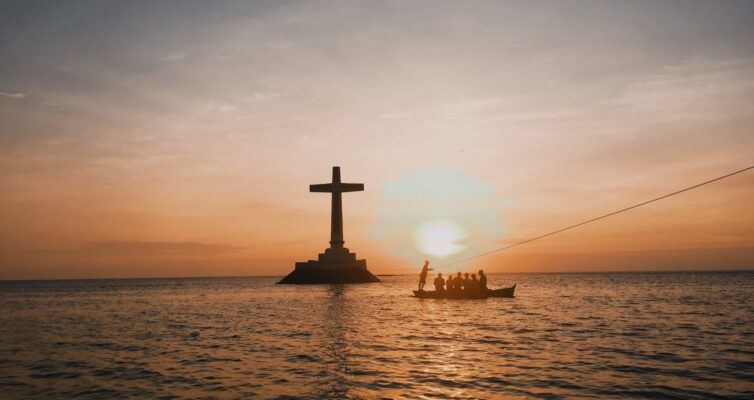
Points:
x=439, y=238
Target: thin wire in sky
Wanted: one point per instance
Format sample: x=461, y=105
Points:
x=600, y=217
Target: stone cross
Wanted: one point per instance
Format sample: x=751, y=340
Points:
x=336, y=217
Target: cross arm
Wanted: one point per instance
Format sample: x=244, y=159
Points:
x=324, y=188
x=337, y=187
x=351, y=187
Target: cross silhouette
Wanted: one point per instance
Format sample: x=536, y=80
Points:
x=336, y=213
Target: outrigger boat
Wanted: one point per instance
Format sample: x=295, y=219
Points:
x=505, y=292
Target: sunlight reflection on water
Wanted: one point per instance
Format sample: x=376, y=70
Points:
x=686, y=335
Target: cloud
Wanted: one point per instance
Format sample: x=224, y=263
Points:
x=13, y=95
x=471, y=106
x=262, y=96
x=214, y=106
x=174, y=57
x=394, y=115
x=692, y=89
x=157, y=248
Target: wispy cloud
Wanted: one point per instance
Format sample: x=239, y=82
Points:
x=157, y=248
x=13, y=95
x=692, y=89
x=471, y=106
x=395, y=115
x=173, y=57
x=214, y=106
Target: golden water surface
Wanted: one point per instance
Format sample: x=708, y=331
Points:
x=638, y=335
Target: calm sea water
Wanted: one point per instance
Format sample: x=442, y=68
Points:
x=638, y=335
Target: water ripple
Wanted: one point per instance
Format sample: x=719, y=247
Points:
x=674, y=335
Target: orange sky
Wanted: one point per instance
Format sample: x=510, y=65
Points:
x=180, y=140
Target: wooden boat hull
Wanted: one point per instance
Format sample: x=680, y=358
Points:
x=504, y=292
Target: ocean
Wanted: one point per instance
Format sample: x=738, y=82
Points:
x=684, y=335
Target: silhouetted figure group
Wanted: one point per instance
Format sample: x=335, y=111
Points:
x=461, y=284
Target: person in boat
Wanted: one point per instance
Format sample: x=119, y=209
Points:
x=423, y=275
x=458, y=282
x=439, y=283
x=466, y=283
x=467, y=288
x=482, y=281
x=474, y=284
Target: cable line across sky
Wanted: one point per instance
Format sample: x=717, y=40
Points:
x=740, y=171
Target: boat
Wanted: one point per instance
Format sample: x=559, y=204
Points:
x=504, y=292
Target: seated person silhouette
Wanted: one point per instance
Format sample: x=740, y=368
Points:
x=482, y=281
x=439, y=283
x=474, y=284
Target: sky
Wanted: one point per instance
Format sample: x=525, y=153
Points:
x=145, y=139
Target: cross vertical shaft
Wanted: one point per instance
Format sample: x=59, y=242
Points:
x=336, y=212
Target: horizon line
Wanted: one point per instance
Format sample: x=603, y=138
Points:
x=644, y=271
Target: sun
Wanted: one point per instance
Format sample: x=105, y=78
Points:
x=439, y=237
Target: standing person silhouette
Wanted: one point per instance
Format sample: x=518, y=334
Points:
x=423, y=275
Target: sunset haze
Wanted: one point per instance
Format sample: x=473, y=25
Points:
x=164, y=139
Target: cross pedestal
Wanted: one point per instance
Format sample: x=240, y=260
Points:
x=336, y=264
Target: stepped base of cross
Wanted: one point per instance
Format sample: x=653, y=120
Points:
x=335, y=265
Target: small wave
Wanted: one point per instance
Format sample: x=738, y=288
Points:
x=381, y=384
x=304, y=357
x=56, y=375
x=209, y=359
